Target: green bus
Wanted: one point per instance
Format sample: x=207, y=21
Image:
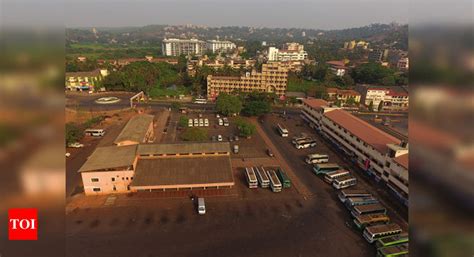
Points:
x=393, y=251
x=392, y=240
x=323, y=168
x=283, y=178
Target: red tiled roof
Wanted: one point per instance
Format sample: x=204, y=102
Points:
x=402, y=160
x=363, y=130
x=315, y=103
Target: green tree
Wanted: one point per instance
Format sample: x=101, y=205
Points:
x=228, y=104
x=372, y=73
x=183, y=121
x=256, y=108
x=246, y=129
x=73, y=133
x=379, y=108
x=351, y=101
x=371, y=106
x=194, y=134
x=175, y=105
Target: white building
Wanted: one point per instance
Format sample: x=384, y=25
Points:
x=289, y=52
x=379, y=154
x=392, y=99
x=177, y=47
x=217, y=46
x=403, y=64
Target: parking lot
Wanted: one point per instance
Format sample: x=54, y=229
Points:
x=240, y=221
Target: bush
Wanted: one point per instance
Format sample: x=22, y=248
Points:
x=73, y=133
x=183, y=121
x=256, y=108
x=194, y=134
x=228, y=104
x=246, y=129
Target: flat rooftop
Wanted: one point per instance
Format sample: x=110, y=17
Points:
x=110, y=158
x=182, y=172
x=135, y=129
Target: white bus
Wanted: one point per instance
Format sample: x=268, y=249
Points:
x=305, y=143
x=275, y=183
x=331, y=176
x=283, y=131
x=95, y=132
x=262, y=177
x=372, y=233
x=251, y=177
x=344, y=182
x=346, y=194
x=200, y=101
x=317, y=158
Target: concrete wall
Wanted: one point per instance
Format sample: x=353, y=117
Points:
x=107, y=181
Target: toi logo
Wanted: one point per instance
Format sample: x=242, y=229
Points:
x=23, y=224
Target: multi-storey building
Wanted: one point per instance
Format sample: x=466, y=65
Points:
x=217, y=46
x=339, y=68
x=84, y=80
x=403, y=64
x=289, y=52
x=376, y=55
x=342, y=94
x=177, y=47
x=392, y=98
x=379, y=154
x=272, y=79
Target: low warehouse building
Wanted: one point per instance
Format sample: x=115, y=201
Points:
x=139, y=129
x=162, y=167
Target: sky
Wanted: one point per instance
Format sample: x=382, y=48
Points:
x=315, y=14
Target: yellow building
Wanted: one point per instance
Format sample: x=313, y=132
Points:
x=272, y=79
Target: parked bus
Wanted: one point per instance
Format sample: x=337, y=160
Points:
x=354, y=201
x=305, y=143
x=393, y=251
x=200, y=101
x=345, y=194
x=344, y=182
x=370, y=219
x=317, y=158
x=283, y=178
x=251, y=177
x=94, y=132
x=392, y=240
x=330, y=176
x=275, y=183
x=262, y=177
x=325, y=168
x=282, y=130
x=368, y=209
x=372, y=233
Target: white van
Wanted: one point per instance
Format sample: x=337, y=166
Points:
x=201, y=206
x=95, y=132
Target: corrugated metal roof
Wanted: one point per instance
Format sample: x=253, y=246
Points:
x=110, y=157
x=136, y=129
x=150, y=149
x=182, y=171
x=363, y=130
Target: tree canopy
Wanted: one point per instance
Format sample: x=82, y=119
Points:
x=246, y=129
x=228, y=104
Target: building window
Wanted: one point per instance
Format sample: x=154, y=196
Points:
x=113, y=179
x=94, y=179
x=115, y=189
x=123, y=178
x=96, y=189
x=127, y=178
x=131, y=178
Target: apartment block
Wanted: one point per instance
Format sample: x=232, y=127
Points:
x=289, y=52
x=84, y=80
x=218, y=46
x=381, y=155
x=177, y=47
x=339, y=68
x=272, y=79
x=392, y=98
x=342, y=94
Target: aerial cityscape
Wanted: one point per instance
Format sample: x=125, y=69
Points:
x=258, y=141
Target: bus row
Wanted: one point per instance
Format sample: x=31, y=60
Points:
x=267, y=178
x=371, y=218
x=335, y=175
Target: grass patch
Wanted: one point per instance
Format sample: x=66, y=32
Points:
x=300, y=85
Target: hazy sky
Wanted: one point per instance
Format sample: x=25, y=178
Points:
x=324, y=14
x=318, y=14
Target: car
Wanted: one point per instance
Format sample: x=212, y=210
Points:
x=201, y=123
x=206, y=122
x=68, y=154
x=236, y=149
x=221, y=122
x=76, y=145
x=200, y=115
x=196, y=122
x=270, y=153
x=218, y=116
x=219, y=138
